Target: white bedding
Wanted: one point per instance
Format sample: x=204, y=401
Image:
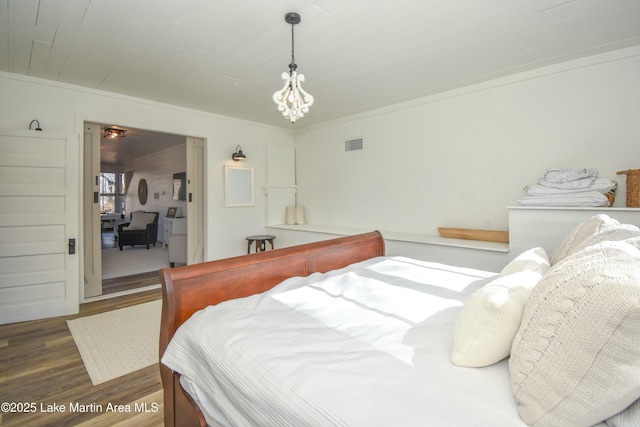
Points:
x=369, y=345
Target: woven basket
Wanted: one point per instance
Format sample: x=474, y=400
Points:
x=633, y=187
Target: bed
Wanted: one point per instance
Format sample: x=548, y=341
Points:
x=338, y=333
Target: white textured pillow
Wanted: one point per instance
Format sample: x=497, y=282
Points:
x=535, y=259
x=620, y=232
x=139, y=220
x=582, y=231
x=484, y=330
x=576, y=358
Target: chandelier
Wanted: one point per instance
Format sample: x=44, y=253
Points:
x=292, y=100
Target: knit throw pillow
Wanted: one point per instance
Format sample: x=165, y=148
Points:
x=576, y=357
x=139, y=220
x=488, y=322
x=581, y=232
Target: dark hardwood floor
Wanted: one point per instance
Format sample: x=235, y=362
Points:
x=40, y=367
x=128, y=283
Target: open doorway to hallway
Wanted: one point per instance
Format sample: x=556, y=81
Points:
x=129, y=269
x=115, y=170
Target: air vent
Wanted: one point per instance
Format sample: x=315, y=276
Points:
x=353, y=144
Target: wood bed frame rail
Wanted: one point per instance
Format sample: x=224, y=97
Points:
x=188, y=289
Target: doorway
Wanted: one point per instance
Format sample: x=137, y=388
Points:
x=115, y=168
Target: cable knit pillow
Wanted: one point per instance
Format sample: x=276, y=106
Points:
x=576, y=358
x=490, y=318
x=581, y=232
x=620, y=232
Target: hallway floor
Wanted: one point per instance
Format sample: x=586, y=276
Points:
x=127, y=282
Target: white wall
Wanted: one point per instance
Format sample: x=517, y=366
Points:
x=461, y=157
x=157, y=169
x=64, y=108
x=452, y=159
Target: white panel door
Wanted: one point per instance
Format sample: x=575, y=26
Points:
x=195, y=200
x=38, y=217
x=91, y=211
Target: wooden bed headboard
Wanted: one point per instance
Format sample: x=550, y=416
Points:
x=188, y=289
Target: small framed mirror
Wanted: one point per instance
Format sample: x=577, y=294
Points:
x=238, y=186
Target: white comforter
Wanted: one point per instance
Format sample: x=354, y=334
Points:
x=368, y=345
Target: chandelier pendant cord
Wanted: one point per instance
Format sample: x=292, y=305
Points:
x=292, y=65
x=293, y=41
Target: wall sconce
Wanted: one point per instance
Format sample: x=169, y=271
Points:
x=238, y=154
x=112, y=133
x=37, y=125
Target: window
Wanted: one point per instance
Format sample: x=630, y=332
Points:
x=111, y=192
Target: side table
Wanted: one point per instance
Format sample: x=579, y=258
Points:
x=261, y=241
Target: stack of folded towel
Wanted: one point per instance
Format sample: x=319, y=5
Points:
x=570, y=187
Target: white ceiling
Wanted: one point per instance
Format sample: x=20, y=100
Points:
x=226, y=56
x=136, y=143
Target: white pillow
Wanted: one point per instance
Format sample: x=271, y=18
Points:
x=485, y=328
x=576, y=358
x=582, y=231
x=535, y=259
x=620, y=232
x=139, y=220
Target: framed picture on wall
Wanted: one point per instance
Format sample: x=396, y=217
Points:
x=171, y=212
x=180, y=186
x=238, y=186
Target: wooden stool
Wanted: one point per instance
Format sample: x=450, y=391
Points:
x=260, y=242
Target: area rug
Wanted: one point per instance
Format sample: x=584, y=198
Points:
x=118, y=342
x=133, y=260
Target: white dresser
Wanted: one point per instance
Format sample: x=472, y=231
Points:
x=172, y=226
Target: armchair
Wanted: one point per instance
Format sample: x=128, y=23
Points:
x=141, y=230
